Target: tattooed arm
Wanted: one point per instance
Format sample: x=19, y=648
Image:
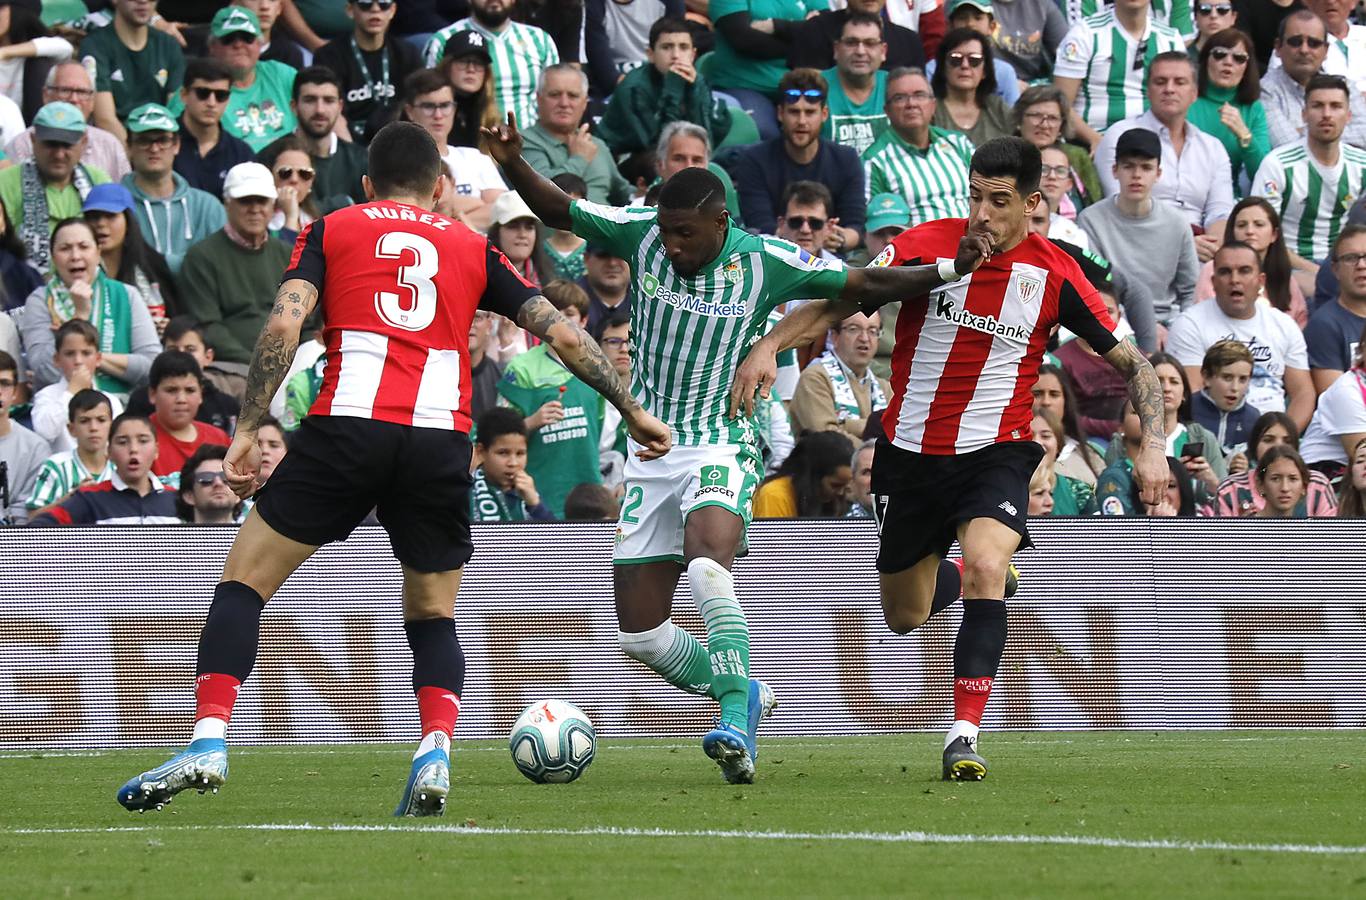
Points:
x=582, y=356
x=1150, y=469
x=269, y=363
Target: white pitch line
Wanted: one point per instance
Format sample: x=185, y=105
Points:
x=878, y=837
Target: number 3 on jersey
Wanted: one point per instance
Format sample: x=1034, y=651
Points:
x=418, y=310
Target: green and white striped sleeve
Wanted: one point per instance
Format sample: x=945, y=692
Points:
x=620, y=228
x=50, y=485
x=792, y=273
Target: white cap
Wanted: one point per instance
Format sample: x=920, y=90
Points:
x=249, y=179
x=509, y=207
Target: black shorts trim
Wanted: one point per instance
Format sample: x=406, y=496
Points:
x=340, y=468
x=919, y=500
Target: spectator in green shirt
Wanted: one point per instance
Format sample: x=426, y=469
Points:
x=858, y=86
x=131, y=64
x=560, y=142
x=337, y=165
x=1228, y=106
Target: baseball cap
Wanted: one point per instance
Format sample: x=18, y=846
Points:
x=509, y=207
x=1139, y=142
x=887, y=211
x=249, y=179
x=108, y=198
x=235, y=20
x=467, y=43
x=152, y=117
x=983, y=5
x=60, y=122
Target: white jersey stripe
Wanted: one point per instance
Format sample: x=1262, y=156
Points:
x=1001, y=371
x=438, y=393
x=362, y=366
x=931, y=356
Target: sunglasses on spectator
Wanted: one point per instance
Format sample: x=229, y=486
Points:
x=1300, y=40
x=795, y=223
x=972, y=60
x=220, y=94
x=792, y=95
x=204, y=479
x=161, y=139
x=71, y=93
x=1223, y=53
x=368, y=5
x=1055, y=171
x=1205, y=9
x=237, y=37
x=429, y=108
x=284, y=173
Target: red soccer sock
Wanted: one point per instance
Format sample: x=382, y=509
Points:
x=970, y=697
x=438, y=709
x=214, y=696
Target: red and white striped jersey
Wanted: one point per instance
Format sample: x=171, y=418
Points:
x=967, y=354
x=398, y=288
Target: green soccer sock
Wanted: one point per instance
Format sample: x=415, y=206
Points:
x=676, y=655
x=713, y=590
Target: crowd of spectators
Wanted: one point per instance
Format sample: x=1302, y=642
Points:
x=1205, y=163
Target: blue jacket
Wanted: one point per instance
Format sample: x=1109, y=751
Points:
x=175, y=224
x=1231, y=428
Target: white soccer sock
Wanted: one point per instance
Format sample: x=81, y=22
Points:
x=210, y=728
x=962, y=728
x=669, y=650
x=433, y=740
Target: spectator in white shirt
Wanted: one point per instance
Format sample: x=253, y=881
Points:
x=1339, y=423
x=78, y=359
x=1301, y=49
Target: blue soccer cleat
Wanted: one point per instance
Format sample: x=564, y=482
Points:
x=203, y=766
x=730, y=747
x=761, y=705
x=428, y=784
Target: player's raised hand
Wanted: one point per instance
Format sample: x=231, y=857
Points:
x=974, y=249
x=756, y=375
x=653, y=435
x=242, y=465
x=505, y=142
x=1151, y=473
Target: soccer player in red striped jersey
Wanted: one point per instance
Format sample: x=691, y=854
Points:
x=958, y=454
x=398, y=286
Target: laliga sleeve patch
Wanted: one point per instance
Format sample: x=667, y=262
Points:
x=883, y=259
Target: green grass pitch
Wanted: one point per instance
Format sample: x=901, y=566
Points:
x=1232, y=814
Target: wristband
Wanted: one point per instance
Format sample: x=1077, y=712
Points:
x=947, y=272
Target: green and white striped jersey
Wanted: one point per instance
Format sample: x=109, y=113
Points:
x=690, y=334
x=1111, y=65
x=1312, y=199
x=519, y=53
x=934, y=181
x=61, y=474
x=1174, y=13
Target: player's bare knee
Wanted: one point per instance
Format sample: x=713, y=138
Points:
x=984, y=575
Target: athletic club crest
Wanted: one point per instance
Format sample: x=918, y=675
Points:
x=1028, y=288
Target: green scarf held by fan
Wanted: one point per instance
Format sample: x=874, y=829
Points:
x=110, y=314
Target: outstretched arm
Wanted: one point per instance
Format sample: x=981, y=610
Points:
x=270, y=363
x=582, y=355
x=1150, y=469
x=548, y=202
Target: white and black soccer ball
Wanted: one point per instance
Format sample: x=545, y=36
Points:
x=552, y=742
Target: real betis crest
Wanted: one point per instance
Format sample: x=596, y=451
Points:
x=731, y=272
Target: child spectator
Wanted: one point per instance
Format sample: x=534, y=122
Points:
x=1352, y=500
x=21, y=451
x=590, y=503
x=177, y=393
x=78, y=359
x=1238, y=494
x=1282, y=479
x=204, y=497
x=503, y=491
x=132, y=497
x=813, y=481
x=217, y=407
x=1221, y=405
x=565, y=249
x=563, y=415
x=87, y=462
x=271, y=441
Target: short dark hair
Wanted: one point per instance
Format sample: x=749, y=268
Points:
x=1010, y=157
x=667, y=25
x=496, y=422
x=79, y=327
x=615, y=317
x=807, y=193
x=85, y=400
x=205, y=68
x=423, y=81
x=1348, y=232
x=1323, y=82
x=1299, y=15
x=1239, y=245
x=861, y=18
x=1169, y=56
x=315, y=75
x=693, y=188
x=202, y=452
x=173, y=364
x=124, y=418
x=589, y=502
x=404, y=161
x=570, y=184
x=277, y=148
x=802, y=80
x=8, y=364
x=178, y=327
x=269, y=421
x=564, y=294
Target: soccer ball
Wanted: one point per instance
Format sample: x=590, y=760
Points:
x=552, y=742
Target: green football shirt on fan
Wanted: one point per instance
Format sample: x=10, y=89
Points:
x=856, y=125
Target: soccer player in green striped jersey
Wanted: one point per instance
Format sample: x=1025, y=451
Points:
x=1103, y=62
x=1313, y=183
x=702, y=290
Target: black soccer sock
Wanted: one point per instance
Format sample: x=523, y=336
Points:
x=227, y=645
x=948, y=586
x=438, y=673
x=976, y=657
